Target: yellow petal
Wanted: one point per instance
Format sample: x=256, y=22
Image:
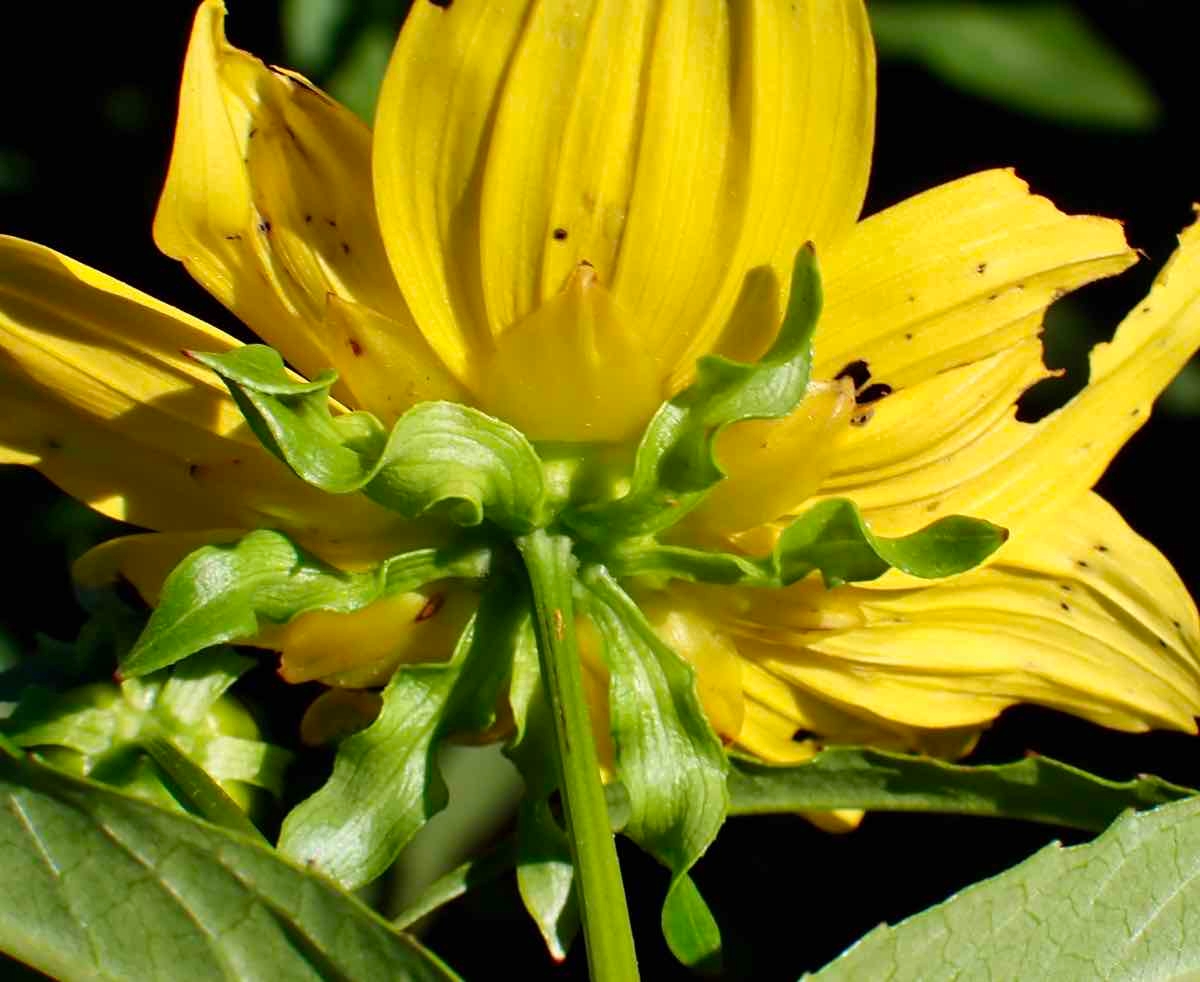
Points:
x=363, y=648
x=573, y=370
x=1109, y=635
x=1017, y=473
x=674, y=145
x=954, y=275
x=774, y=465
x=714, y=658
x=97, y=394
x=431, y=129
x=268, y=197
x=384, y=362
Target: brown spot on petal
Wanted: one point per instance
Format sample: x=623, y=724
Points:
x=559, y=234
x=981, y=268
x=859, y=372
x=356, y=347
x=432, y=606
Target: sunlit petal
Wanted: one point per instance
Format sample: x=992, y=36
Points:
x=266, y=200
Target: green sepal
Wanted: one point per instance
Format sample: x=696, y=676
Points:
x=385, y=783
x=690, y=929
x=438, y=453
x=670, y=762
x=221, y=593
x=545, y=872
x=675, y=463
x=1035, y=789
x=103, y=730
x=833, y=537
x=195, y=787
x=546, y=876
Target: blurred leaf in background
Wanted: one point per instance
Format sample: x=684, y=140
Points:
x=343, y=45
x=1043, y=59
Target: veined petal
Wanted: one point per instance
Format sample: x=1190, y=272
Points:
x=774, y=465
x=267, y=201
x=435, y=115
x=98, y=396
x=673, y=145
x=385, y=363
x=363, y=648
x=1040, y=625
x=1016, y=473
x=574, y=369
x=954, y=275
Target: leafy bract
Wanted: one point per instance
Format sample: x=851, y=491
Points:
x=224, y=593
x=1126, y=906
x=98, y=885
x=1035, y=789
x=831, y=537
x=545, y=871
x=438, y=453
x=670, y=762
x=385, y=783
x=675, y=462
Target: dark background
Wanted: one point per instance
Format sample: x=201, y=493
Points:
x=88, y=100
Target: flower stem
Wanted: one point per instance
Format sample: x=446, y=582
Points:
x=607, y=932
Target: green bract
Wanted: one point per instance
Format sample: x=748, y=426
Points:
x=547, y=535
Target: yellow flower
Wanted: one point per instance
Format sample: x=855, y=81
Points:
x=563, y=205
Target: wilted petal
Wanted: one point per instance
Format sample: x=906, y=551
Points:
x=267, y=200
x=98, y=395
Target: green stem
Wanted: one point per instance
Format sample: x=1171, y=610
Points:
x=606, y=928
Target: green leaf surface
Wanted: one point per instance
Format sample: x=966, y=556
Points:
x=1035, y=789
x=833, y=537
x=225, y=592
x=1126, y=906
x=546, y=876
x=675, y=463
x=99, y=886
x=691, y=930
x=1040, y=58
x=670, y=762
x=385, y=782
x=439, y=454
x=458, y=882
x=196, y=788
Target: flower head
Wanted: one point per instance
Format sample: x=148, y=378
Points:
x=562, y=207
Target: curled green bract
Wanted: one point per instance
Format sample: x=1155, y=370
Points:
x=547, y=538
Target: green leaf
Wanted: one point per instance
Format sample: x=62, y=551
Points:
x=385, y=782
x=458, y=882
x=675, y=464
x=1040, y=58
x=1126, y=906
x=691, y=930
x=833, y=538
x=439, y=454
x=225, y=592
x=100, y=886
x=1035, y=789
x=358, y=77
x=670, y=762
x=546, y=876
x=195, y=787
